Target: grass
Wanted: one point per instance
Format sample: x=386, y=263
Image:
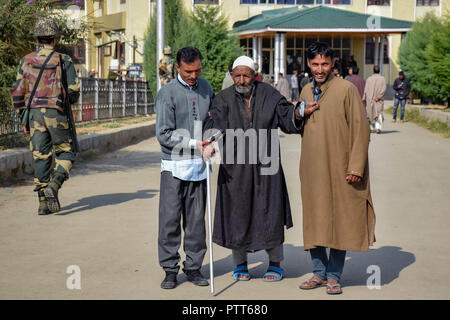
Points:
x=99, y=126
x=22, y=140
x=413, y=115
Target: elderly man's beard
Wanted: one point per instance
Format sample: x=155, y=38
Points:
x=244, y=90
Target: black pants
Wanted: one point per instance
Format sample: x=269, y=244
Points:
x=181, y=201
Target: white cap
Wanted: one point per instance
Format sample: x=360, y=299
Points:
x=244, y=61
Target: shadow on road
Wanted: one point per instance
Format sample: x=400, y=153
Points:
x=121, y=160
x=102, y=200
x=297, y=263
x=389, y=131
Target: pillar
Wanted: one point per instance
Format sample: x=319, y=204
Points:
x=276, y=65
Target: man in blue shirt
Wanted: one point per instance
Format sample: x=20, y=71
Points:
x=181, y=107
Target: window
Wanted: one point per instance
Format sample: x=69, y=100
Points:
x=333, y=1
x=76, y=53
x=66, y=3
x=295, y=53
x=370, y=52
x=286, y=1
x=427, y=2
x=378, y=2
x=206, y=1
x=247, y=45
x=123, y=1
x=79, y=55
x=296, y=2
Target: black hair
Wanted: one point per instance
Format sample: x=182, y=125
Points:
x=355, y=69
x=319, y=48
x=376, y=69
x=401, y=73
x=45, y=40
x=188, y=55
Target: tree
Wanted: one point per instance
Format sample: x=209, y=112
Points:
x=438, y=57
x=413, y=61
x=205, y=30
x=219, y=48
x=179, y=32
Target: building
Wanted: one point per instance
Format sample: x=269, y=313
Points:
x=273, y=32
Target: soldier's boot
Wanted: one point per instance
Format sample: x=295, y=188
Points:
x=43, y=206
x=51, y=193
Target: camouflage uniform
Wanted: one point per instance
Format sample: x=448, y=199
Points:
x=49, y=133
x=166, y=67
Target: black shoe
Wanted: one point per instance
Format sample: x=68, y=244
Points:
x=170, y=281
x=52, y=199
x=43, y=206
x=196, y=277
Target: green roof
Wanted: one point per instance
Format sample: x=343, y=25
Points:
x=317, y=18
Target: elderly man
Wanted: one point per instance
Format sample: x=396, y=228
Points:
x=252, y=203
x=374, y=98
x=181, y=107
x=337, y=206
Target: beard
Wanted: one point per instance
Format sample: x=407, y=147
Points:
x=244, y=90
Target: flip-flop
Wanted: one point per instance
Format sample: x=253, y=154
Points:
x=318, y=283
x=241, y=270
x=276, y=272
x=332, y=286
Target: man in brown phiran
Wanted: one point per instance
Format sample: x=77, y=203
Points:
x=374, y=98
x=337, y=205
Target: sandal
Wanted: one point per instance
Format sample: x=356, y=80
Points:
x=315, y=281
x=241, y=271
x=276, y=272
x=331, y=288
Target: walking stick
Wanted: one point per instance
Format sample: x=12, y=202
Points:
x=208, y=195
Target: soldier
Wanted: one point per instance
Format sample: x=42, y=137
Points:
x=43, y=116
x=165, y=65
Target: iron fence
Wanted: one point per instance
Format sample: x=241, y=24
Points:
x=101, y=99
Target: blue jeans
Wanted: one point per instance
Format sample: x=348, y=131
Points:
x=294, y=94
x=402, y=104
x=326, y=268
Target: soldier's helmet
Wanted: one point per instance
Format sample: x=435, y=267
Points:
x=45, y=27
x=167, y=50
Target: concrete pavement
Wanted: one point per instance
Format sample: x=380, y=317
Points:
x=108, y=228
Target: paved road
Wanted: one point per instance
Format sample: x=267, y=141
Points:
x=108, y=227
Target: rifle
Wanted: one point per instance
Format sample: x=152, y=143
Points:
x=67, y=106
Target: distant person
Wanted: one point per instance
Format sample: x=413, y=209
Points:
x=294, y=85
x=374, y=98
x=258, y=75
x=92, y=73
x=354, y=78
x=336, y=72
x=166, y=67
x=305, y=80
x=402, y=89
x=283, y=86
